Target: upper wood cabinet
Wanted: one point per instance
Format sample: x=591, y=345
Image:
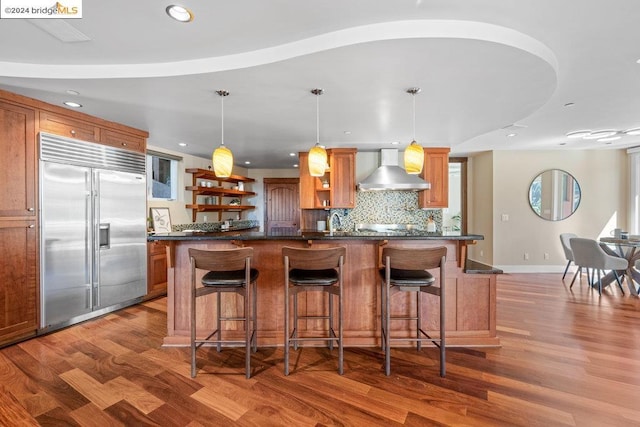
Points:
x=65, y=126
x=436, y=172
x=123, y=140
x=18, y=160
x=336, y=189
x=342, y=162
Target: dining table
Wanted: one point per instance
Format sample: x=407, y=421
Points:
x=627, y=248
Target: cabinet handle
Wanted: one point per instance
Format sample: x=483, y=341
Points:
x=31, y=226
x=30, y=209
x=73, y=132
x=124, y=144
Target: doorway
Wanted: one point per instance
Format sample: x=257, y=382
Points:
x=282, y=206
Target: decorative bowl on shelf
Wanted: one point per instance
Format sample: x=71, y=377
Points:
x=234, y=202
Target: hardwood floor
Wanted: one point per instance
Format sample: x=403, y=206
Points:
x=567, y=358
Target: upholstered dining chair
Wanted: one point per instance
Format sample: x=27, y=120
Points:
x=566, y=247
x=587, y=253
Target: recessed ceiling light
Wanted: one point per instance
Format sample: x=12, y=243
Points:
x=511, y=135
x=72, y=104
x=610, y=138
x=395, y=143
x=292, y=154
x=634, y=131
x=179, y=13
x=247, y=162
x=601, y=134
x=578, y=134
x=182, y=144
x=347, y=132
x=295, y=166
x=569, y=104
x=72, y=92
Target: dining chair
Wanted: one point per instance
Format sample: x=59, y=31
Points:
x=566, y=247
x=587, y=253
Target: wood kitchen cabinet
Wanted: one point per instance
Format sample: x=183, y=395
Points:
x=18, y=279
x=336, y=189
x=436, y=172
x=18, y=237
x=156, y=269
x=18, y=161
x=21, y=119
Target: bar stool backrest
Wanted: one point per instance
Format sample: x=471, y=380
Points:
x=414, y=258
x=314, y=259
x=220, y=259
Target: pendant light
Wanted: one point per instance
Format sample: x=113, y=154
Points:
x=317, y=154
x=414, y=153
x=222, y=157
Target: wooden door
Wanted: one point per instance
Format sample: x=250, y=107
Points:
x=282, y=205
x=18, y=161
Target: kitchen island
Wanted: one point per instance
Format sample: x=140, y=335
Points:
x=470, y=296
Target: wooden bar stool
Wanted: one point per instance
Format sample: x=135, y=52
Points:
x=229, y=271
x=313, y=270
x=405, y=270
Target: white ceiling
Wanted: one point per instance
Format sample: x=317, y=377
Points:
x=482, y=65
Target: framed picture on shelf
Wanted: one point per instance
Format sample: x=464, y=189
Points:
x=161, y=220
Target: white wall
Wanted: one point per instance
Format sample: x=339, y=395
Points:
x=603, y=178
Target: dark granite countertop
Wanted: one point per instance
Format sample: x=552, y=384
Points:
x=475, y=267
x=311, y=235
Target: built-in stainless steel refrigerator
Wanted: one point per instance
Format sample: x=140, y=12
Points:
x=93, y=229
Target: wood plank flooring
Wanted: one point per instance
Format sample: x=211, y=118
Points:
x=568, y=358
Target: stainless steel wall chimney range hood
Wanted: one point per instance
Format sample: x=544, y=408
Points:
x=390, y=176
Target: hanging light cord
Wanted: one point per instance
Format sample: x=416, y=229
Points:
x=414, y=115
x=222, y=119
x=317, y=119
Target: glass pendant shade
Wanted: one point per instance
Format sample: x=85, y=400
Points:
x=317, y=161
x=222, y=162
x=414, y=153
x=413, y=158
x=317, y=155
x=222, y=157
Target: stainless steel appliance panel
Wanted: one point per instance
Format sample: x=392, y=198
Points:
x=66, y=242
x=120, y=230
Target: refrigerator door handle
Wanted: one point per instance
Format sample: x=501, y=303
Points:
x=105, y=236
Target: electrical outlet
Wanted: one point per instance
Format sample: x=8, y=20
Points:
x=526, y=256
x=481, y=253
x=546, y=255
x=505, y=217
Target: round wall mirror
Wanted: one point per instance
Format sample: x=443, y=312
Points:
x=554, y=195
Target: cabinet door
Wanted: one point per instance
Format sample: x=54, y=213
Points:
x=436, y=172
x=66, y=126
x=18, y=161
x=18, y=281
x=307, y=183
x=343, y=178
x=157, y=269
x=122, y=140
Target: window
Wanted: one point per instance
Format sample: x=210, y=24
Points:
x=162, y=176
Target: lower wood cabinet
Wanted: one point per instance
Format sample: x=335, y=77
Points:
x=156, y=269
x=18, y=279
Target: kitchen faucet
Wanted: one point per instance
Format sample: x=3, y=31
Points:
x=335, y=214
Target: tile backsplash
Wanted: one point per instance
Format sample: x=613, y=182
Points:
x=387, y=207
